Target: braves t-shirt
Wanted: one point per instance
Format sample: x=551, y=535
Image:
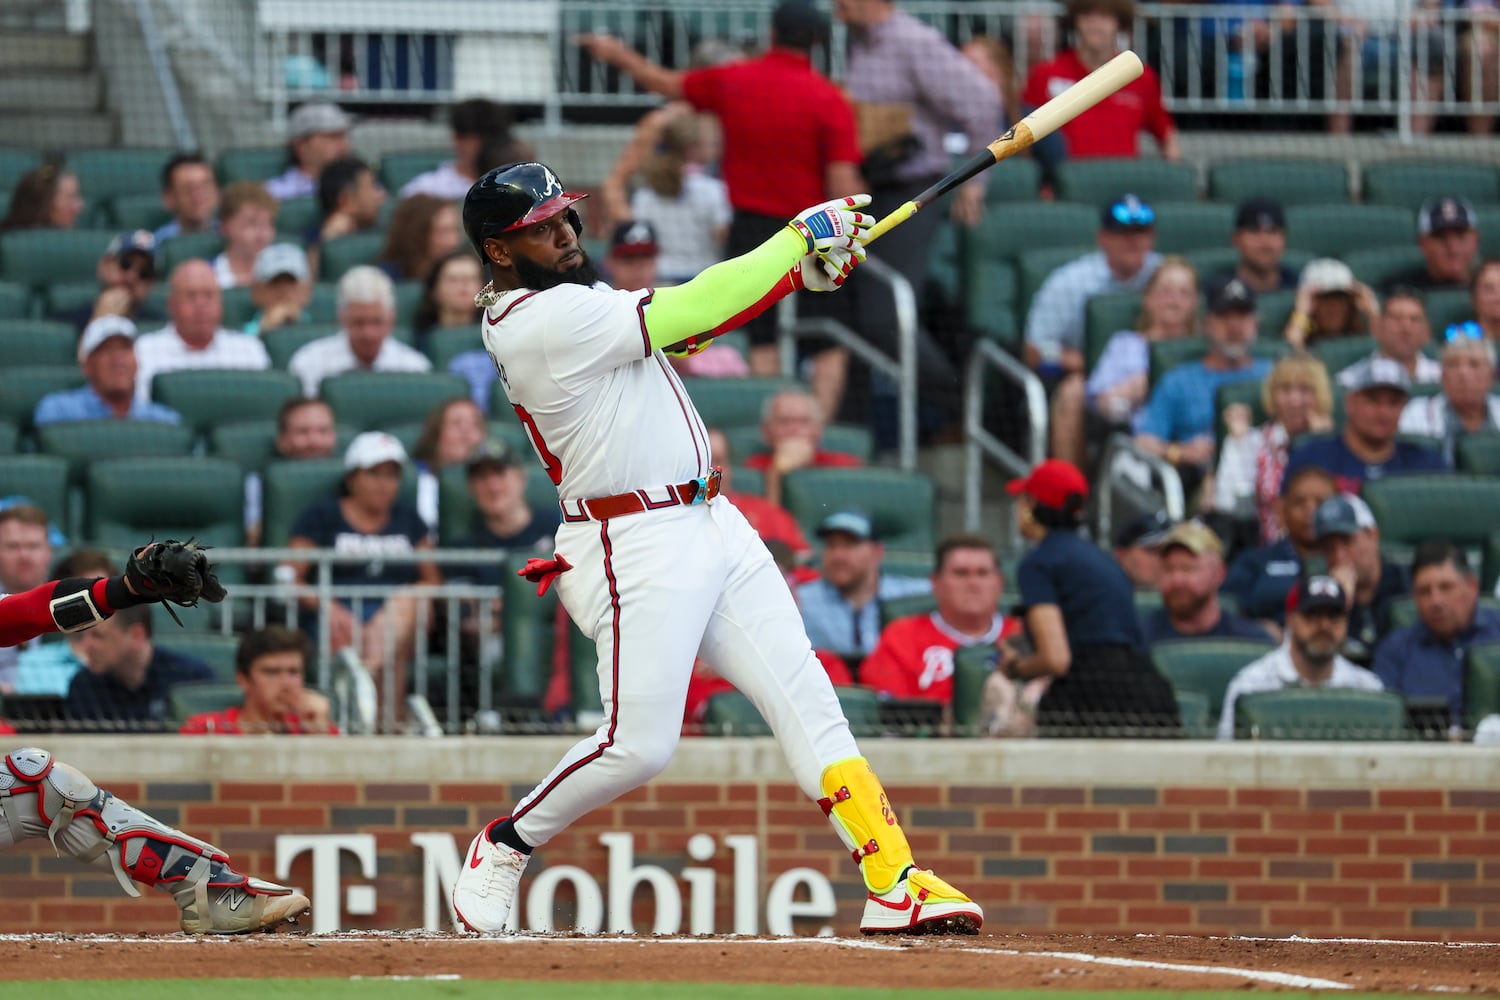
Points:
x=1351, y=471
x=324, y=525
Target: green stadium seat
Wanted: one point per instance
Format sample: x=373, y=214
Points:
x=1291, y=182
x=23, y=387
x=1033, y=268
x=1491, y=563
x=250, y=444
x=1212, y=261
x=731, y=402
x=731, y=713
x=371, y=400
x=189, y=246
x=905, y=607
x=752, y=481
x=10, y=438
x=908, y=562
x=527, y=624
x=1013, y=228
x=1095, y=181
x=1481, y=683
x=861, y=708
x=1206, y=665
x=212, y=648
x=1192, y=225
x=1341, y=352
x=323, y=307
x=38, y=257
x=1413, y=509
x=944, y=262
x=851, y=439
x=972, y=666
x=284, y=341
x=15, y=164
x=1377, y=265
x=1016, y=179
x=192, y=698
x=1321, y=714
x=337, y=256
x=1274, y=309
x=208, y=397
x=408, y=300
x=398, y=168
x=251, y=163
x=1334, y=230
x=239, y=308
x=1192, y=708
x=15, y=301
x=37, y=342
x=105, y=173
x=900, y=503
x=64, y=297
x=1104, y=316
x=134, y=498
x=1489, y=230
x=445, y=344
x=1408, y=183
x=139, y=211
x=1168, y=354
x=1447, y=306
x=290, y=487
x=1479, y=454
x=295, y=217
x=43, y=479
x=87, y=442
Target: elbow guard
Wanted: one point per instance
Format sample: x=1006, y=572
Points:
x=72, y=605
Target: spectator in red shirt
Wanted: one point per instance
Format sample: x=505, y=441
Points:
x=271, y=668
x=791, y=424
x=769, y=520
x=914, y=658
x=1111, y=127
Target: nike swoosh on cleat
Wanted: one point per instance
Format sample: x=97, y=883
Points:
x=475, y=860
x=905, y=903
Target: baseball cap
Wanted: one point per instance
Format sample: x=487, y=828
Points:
x=317, y=117
x=1147, y=530
x=373, y=448
x=102, y=329
x=1196, y=537
x=280, y=259
x=491, y=452
x=1232, y=296
x=1441, y=215
x=1343, y=514
x=135, y=241
x=849, y=522
x=1126, y=214
x=1051, y=483
x=798, y=24
x=1327, y=274
x=1372, y=373
x=1316, y=593
x=1263, y=214
x=633, y=239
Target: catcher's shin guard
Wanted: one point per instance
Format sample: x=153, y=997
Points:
x=857, y=807
x=40, y=796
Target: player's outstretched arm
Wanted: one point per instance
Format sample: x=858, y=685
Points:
x=817, y=250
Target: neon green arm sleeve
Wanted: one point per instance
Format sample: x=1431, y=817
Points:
x=727, y=294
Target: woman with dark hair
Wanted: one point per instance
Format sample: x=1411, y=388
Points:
x=448, y=295
x=46, y=198
x=1080, y=616
x=450, y=433
x=422, y=229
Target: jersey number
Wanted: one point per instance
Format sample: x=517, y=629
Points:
x=549, y=460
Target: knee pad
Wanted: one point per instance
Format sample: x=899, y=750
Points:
x=857, y=807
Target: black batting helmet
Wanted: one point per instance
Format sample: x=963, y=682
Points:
x=512, y=196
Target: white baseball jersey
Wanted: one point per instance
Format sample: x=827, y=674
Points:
x=605, y=413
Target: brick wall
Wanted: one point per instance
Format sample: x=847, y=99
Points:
x=1409, y=862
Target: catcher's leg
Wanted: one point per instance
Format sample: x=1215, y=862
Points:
x=42, y=797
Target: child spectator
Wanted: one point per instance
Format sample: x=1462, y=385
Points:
x=247, y=221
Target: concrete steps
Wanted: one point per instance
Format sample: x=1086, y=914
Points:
x=46, y=91
x=54, y=131
x=51, y=91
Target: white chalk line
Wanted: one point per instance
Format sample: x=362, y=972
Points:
x=440, y=977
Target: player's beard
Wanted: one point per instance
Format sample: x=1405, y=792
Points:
x=538, y=278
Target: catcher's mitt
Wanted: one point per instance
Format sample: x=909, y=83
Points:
x=174, y=571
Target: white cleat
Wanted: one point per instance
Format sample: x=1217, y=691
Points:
x=487, y=884
x=921, y=903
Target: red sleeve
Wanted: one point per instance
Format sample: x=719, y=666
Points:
x=196, y=725
x=840, y=132
x=701, y=88
x=838, y=670
x=27, y=615
x=836, y=460
x=883, y=670
x=5, y=730
x=1034, y=94
x=760, y=461
x=1158, y=121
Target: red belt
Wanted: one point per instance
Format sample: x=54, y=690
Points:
x=696, y=491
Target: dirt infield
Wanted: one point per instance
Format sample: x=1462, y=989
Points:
x=987, y=961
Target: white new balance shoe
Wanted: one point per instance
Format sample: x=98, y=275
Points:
x=487, y=883
x=921, y=903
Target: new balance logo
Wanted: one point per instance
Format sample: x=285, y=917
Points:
x=233, y=897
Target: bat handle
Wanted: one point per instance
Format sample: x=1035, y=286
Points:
x=891, y=221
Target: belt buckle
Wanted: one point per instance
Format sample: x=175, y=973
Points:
x=700, y=491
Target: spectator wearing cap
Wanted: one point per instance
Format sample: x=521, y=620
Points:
x=1260, y=578
x=1178, y=424
x=367, y=316
x=366, y=524
x=473, y=123
x=1368, y=447
x=770, y=521
x=350, y=199
x=496, y=477
x=1138, y=548
x=194, y=338
x=1297, y=400
x=1484, y=297
x=106, y=353
x=688, y=207
x=1467, y=404
x=1400, y=335
x=1124, y=262
x=247, y=220
x=1448, y=236
x=791, y=427
x=1260, y=237
x=1317, y=620
x=1426, y=659
x=1192, y=572
x=1349, y=540
x=317, y=134
x=841, y=609
x=304, y=430
x=1080, y=616
x=281, y=290
x=190, y=192
x=127, y=276
x=1330, y=303
x=634, y=256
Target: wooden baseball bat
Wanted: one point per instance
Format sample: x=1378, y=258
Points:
x=1042, y=122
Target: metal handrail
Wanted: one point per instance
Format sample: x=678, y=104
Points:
x=979, y=443
x=156, y=51
x=1126, y=460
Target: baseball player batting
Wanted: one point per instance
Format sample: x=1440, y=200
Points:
x=651, y=562
x=43, y=797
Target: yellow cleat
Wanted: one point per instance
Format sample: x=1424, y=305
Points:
x=921, y=903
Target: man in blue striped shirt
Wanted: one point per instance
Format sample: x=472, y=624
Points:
x=106, y=353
